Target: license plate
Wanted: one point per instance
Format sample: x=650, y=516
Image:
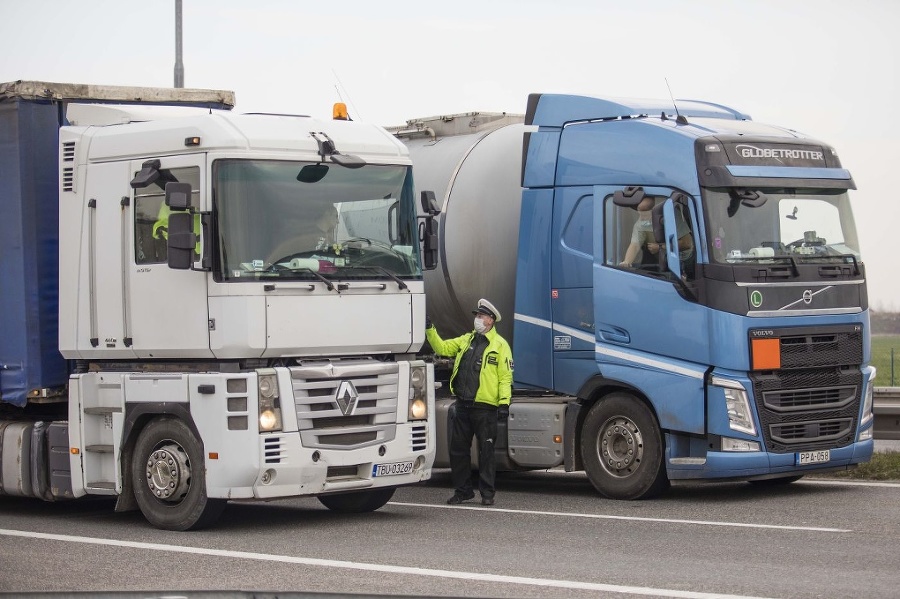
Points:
x=813, y=457
x=392, y=469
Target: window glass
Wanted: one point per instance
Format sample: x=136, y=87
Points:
x=578, y=233
x=304, y=221
x=151, y=215
x=799, y=225
x=630, y=242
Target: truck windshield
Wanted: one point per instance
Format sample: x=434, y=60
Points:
x=801, y=225
x=349, y=224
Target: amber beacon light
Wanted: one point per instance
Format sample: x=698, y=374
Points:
x=339, y=112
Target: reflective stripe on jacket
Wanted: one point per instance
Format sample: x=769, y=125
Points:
x=495, y=379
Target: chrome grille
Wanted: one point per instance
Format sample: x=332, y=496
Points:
x=323, y=393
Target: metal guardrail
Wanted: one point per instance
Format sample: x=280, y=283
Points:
x=887, y=413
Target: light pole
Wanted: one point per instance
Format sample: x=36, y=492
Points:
x=179, y=66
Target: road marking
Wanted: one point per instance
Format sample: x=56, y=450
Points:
x=847, y=483
x=627, y=518
x=327, y=563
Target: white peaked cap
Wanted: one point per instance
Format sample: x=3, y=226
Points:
x=486, y=307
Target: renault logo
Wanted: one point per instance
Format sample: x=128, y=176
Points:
x=346, y=398
x=807, y=296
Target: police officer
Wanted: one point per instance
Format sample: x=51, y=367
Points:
x=482, y=384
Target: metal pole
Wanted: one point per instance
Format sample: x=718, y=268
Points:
x=179, y=66
x=892, y=367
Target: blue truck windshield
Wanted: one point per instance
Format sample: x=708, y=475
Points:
x=274, y=222
x=780, y=225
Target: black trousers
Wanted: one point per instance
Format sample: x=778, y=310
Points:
x=469, y=421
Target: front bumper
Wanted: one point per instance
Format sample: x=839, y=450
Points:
x=747, y=465
x=284, y=468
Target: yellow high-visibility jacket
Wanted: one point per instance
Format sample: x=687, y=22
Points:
x=495, y=378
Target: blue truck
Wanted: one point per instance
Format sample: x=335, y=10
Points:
x=185, y=304
x=681, y=285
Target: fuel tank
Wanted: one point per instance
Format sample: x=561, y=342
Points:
x=476, y=178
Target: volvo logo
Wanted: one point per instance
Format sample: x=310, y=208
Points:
x=346, y=398
x=807, y=296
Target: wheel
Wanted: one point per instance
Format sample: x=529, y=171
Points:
x=357, y=502
x=622, y=449
x=169, y=477
x=774, y=482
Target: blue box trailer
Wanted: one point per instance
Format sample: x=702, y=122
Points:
x=30, y=362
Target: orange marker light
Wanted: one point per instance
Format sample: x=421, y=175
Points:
x=557, y=438
x=339, y=112
x=765, y=354
x=74, y=451
x=213, y=455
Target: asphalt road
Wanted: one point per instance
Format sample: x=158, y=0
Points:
x=549, y=535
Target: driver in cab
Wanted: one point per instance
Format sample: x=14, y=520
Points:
x=318, y=235
x=642, y=235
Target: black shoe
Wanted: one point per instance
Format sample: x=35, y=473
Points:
x=460, y=497
x=487, y=501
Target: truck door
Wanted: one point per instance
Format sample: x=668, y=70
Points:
x=650, y=333
x=169, y=308
x=102, y=325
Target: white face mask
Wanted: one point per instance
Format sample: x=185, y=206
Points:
x=480, y=327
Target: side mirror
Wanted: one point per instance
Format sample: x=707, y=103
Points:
x=669, y=258
x=178, y=197
x=430, y=244
x=182, y=239
x=629, y=197
x=148, y=174
x=429, y=204
x=657, y=220
x=312, y=173
x=428, y=231
x=348, y=160
x=751, y=198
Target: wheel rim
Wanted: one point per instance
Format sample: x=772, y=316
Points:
x=168, y=472
x=620, y=446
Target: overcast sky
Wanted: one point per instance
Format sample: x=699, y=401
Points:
x=824, y=67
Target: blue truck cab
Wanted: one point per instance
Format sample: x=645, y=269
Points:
x=682, y=288
x=741, y=344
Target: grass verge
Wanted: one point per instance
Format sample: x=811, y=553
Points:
x=884, y=465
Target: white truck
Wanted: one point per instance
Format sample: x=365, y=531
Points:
x=178, y=327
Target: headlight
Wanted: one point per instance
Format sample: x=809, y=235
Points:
x=269, y=401
x=737, y=404
x=268, y=386
x=418, y=410
x=418, y=393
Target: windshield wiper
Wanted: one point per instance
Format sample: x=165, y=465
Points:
x=849, y=258
x=794, y=270
x=386, y=272
x=328, y=284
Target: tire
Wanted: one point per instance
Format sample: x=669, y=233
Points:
x=776, y=482
x=357, y=502
x=168, y=474
x=622, y=448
